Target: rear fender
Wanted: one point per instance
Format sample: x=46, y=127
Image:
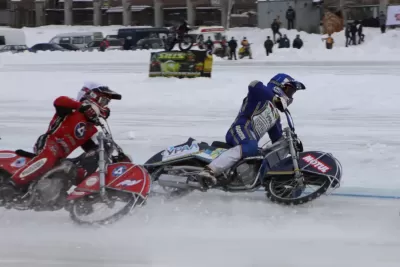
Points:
x=126, y=177
x=11, y=161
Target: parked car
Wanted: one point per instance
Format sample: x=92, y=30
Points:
x=115, y=44
x=112, y=36
x=149, y=43
x=79, y=39
x=46, y=47
x=14, y=48
x=70, y=47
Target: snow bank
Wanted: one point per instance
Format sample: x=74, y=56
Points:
x=377, y=47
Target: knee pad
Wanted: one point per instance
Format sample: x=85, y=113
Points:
x=249, y=148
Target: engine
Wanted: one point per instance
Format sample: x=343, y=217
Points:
x=246, y=173
x=49, y=190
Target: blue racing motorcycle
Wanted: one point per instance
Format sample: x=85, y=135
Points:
x=288, y=174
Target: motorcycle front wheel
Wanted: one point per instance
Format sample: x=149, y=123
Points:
x=86, y=209
x=286, y=190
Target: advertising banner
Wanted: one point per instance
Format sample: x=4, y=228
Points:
x=393, y=15
x=181, y=64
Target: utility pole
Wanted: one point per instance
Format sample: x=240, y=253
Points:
x=343, y=8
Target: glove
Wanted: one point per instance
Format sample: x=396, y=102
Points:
x=89, y=112
x=280, y=103
x=106, y=113
x=299, y=145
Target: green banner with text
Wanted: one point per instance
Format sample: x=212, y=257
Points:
x=181, y=64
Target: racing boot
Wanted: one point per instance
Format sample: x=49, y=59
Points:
x=207, y=178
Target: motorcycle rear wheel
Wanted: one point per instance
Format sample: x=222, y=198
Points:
x=84, y=206
x=277, y=183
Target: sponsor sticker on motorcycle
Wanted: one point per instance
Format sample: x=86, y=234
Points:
x=33, y=167
x=129, y=182
x=317, y=164
x=7, y=155
x=91, y=181
x=19, y=163
x=180, y=151
x=118, y=171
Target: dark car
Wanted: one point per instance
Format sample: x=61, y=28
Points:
x=46, y=47
x=69, y=47
x=137, y=34
x=14, y=48
x=115, y=44
x=150, y=43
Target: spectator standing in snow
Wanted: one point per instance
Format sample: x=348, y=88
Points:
x=347, y=34
x=268, y=45
x=328, y=41
x=353, y=31
x=128, y=43
x=297, y=42
x=232, y=48
x=104, y=45
x=275, y=26
x=382, y=22
x=210, y=45
x=290, y=16
x=284, y=42
x=359, y=32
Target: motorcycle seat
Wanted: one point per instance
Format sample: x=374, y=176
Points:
x=25, y=154
x=219, y=144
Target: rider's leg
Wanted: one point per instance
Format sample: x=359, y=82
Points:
x=47, y=157
x=245, y=145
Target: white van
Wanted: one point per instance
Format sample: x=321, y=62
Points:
x=79, y=39
x=12, y=37
x=214, y=32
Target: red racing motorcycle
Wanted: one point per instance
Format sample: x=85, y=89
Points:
x=104, y=178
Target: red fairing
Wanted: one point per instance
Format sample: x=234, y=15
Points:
x=122, y=176
x=11, y=162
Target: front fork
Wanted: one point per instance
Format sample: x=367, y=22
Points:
x=297, y=173
x=102, y=168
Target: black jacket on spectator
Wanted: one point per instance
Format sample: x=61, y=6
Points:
x=232, y=44
x=297, y=43
x=290, y=14
x=275, y=26
x=284, y=42
x=268, y=44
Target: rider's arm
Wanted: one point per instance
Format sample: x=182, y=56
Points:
x=258, y=90
x=89, y=145
x=275, y=133
x=65, y=105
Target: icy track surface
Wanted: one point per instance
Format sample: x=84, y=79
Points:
x=349, y=111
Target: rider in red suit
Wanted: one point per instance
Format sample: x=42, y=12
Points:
x=72, y=126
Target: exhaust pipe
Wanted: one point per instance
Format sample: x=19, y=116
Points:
x=175, y=181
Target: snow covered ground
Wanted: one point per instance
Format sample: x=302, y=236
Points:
x=349, y=109
x=216, y=230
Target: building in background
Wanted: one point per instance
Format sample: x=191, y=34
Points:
x=19, y=13
x=308, y=14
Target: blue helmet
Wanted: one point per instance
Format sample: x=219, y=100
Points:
x=286, y=86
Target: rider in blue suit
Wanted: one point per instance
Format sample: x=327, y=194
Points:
x=258, y=115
